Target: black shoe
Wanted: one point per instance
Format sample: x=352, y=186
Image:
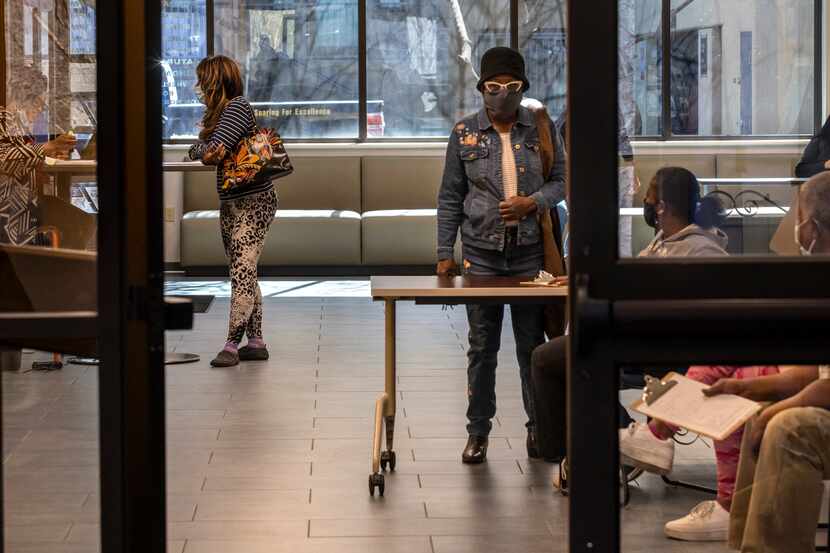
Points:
x=532, y=446
x=247, y=353
x=475, y=451
x=225, y=358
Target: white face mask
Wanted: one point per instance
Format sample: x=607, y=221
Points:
x=802, y=249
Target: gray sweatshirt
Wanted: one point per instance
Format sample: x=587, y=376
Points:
x=692, y=241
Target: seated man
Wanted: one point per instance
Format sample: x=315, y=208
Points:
x=779, y=488
x=687, y=227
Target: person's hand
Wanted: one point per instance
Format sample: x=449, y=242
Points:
x=60, y=147
x=827, y=164
x=214, y=156
x=447, y=268
x=733, y=386
x=517, y=208
x=759, y=427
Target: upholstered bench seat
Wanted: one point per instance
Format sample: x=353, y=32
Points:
x=401, y=237
x=302, y=237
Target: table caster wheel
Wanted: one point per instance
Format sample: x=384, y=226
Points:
x=387, y=459
x=376, y=481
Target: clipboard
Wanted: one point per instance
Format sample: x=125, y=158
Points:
x=679, y=401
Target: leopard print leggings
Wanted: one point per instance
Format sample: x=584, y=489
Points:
x=245, y=223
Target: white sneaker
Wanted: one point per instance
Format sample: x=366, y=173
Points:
x=706, y=522
x=640, y=448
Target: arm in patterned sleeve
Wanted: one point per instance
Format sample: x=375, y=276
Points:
x=18, y=157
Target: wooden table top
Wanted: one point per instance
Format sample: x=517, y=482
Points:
x=415, y=287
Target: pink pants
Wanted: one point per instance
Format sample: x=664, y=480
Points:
x=728, y=451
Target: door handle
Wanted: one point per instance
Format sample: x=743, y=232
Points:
x=734, y=317
x=799, y=318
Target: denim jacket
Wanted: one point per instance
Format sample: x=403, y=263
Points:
x=472, y=186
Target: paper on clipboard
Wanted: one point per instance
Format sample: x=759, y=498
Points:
x=684, y=405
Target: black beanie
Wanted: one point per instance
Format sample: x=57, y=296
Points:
x=502, y=61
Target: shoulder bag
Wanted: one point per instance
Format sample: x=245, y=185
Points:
x=258, y=158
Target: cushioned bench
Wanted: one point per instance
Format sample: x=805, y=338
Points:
x=317, y=223
x=399, y=199
x=297, y=237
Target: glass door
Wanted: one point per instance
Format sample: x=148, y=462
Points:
x=81, y=277
x=699, y=274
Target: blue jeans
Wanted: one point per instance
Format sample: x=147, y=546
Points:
x=485, y=332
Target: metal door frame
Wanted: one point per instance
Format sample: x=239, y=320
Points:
x=131, y=278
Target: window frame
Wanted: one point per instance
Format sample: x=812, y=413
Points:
x=665, y=91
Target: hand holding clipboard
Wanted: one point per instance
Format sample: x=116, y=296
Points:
x=689, y=404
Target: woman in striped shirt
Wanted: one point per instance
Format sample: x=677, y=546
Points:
x=245, y=214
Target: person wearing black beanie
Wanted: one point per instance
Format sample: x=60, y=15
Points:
x=495, y=188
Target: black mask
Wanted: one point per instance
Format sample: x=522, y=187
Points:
x=503, y=105
x=650, y=215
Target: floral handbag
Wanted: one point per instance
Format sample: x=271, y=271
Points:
x=259, y=158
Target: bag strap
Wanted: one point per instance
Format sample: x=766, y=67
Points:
x=548, y=219
x=543, y=127
x=253, y=116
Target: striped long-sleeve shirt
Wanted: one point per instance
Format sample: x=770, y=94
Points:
x=236, y=122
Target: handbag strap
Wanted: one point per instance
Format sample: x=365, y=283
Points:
x=543, y=127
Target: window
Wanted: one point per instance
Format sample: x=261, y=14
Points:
x=299, y=61
x=423, y=61
x=43, y=45
x=543, y=42
x=81, y=28
x=737, y=67
x=184, y=43
x=640, y=67
x=742, y=67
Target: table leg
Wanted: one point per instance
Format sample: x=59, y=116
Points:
x=385, y=408
x=64, y=187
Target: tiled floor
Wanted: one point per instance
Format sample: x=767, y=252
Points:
x=274, y=457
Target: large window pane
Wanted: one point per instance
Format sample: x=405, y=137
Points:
x=299, y=60
x=640, y=66
x=184, y=43
x=423, y=58
x=542, y=40
x=742, y=67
